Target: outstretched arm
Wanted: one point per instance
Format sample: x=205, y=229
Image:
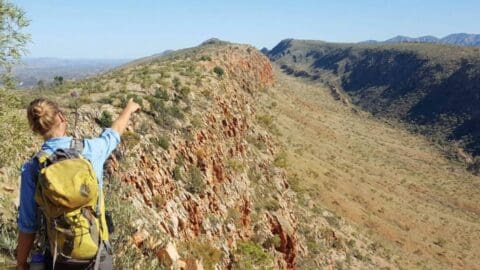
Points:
x=121, y=123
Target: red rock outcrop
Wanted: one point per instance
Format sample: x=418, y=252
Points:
x=216, y=159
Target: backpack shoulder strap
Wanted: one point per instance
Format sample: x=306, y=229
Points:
x=41, y=156
x=77, y=144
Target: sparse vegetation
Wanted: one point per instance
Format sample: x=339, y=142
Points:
x=336, y=156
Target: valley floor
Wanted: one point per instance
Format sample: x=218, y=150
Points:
x=419, y=209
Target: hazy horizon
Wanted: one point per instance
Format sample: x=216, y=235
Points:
x=129, y=30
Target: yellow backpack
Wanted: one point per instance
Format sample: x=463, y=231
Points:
x=68, y=196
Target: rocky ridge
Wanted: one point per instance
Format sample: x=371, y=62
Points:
x=196, y=165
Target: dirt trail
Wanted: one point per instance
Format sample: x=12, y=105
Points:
x=396, y=187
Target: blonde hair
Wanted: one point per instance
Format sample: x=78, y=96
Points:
x=42, y=115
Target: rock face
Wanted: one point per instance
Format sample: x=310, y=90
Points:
x=203, y=186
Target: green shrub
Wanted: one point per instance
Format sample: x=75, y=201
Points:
x=475, y=166
x=201, y=250
x=176, y=112
x=161, y=94
x=125, y=214
x=184, y=91
x=144, y=127
x=194, y=180
x=249, y=255
x=273, y=241
x=14, y=131
x=8, y=238
x=130, y=139
x=219, y=71
x=196, y=121
x=156, y=104
x=163, y=120
x=177, y=173
x=106, y=100
x=105, y=120
x=205, y=58
x=123, y=101
x=266, y=121
x=176, y=83
x=235, y=165
x=281, y=160
x=85, y=100
x=162, y=141
x=268, y=203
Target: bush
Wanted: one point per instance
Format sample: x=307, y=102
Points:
x=106, y=100
x=177, y=173
x=161, y=94
x=176, y=112
x=273, y=241
x=105, y=119
x=176, y=83
x=130, y=139
x=123, y=101
x=201, y=250
x=219, y=71
x=194, y=180
x=249, y=255
x=156, y=104
x=184, y=91
x=205, y=58
x=475, y=166
x=235, y=165
x=162, y=141
x=85, y=100
x=196, y=121
x=14, y=131
x=281, y=160
x=125, y=214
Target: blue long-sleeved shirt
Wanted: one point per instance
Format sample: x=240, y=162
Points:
x=96, y=150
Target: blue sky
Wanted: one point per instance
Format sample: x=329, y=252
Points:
x=137, y=28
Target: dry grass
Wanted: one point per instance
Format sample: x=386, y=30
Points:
x=394, y=186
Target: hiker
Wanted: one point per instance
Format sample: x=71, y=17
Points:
x=70, y=226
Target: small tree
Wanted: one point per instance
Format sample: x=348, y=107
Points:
x=12, y=39
x=41, y=85
x=57, y=80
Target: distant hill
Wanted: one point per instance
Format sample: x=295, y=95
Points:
x=32, y=70
x=460, y=39
x=433, y=87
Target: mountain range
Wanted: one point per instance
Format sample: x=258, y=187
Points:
x=460, y=39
